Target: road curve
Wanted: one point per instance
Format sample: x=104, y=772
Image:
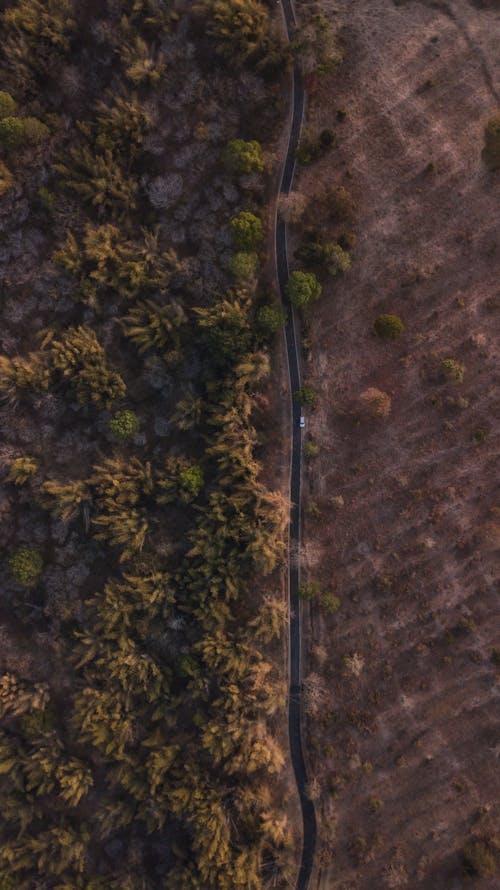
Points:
x=294, y=696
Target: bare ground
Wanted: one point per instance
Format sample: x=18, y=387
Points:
x=403, y=693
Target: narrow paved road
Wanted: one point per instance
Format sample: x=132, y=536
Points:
x=294, y=706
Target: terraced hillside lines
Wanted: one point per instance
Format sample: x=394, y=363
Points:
x=294, y=708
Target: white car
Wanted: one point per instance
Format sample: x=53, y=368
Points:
x=302, y=422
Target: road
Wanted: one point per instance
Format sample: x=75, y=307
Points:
x=294, y=698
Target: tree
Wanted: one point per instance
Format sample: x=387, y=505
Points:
x=21, y=469
x=244, y=265
x=246, y=231
x=238, y=26
x=245, y=157
x=12, y=133
x=303, y=288
x=6, y=179
x=7, y=105
x=79, y=357
x=270, y=319
x=100, y=179
x=375, y=403
x=124, y=425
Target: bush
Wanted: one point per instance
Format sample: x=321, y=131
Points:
x=452, y=370
x=7, y=104
x=21, y=469
x=479, y=858
x=306, y=395
x=269, y=320
x=246, y=230
x=26, y=566
x=11, y=132
x=244, y=265
x=124, y=425
x=491, y=150
x=303, y=288
x=6, y=179
x=238, y=26
x=309, y=591
x=245, y=157
x=389, y=327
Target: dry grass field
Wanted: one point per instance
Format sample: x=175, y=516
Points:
x=402, y=517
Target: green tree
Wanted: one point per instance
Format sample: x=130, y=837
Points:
x=270, y=319
x=12, y=133
x=26, y=566
x=245, y=157
x=244, y=265
x=246, y=231
x=124, y=425
x=303, y=288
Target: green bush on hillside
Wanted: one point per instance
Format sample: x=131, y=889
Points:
x=245, y=157
x=389, y=327
x=246, y=230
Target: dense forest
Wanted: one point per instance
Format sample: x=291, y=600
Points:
x=142, y=552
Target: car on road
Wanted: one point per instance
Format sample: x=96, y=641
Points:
x=302, y=422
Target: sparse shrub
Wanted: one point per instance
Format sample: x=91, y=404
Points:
x=11, y=132
x=311, y=450
x=270, y=319
x=246, y=231
x=452, y=370
x=142, y=65
x=7, y=104
x=6, y=179
x=332, y=257
x=244, y=265
x=495, y=656
x=303, y=288
x=21, y=469
x=124, y=425
x=26, y=566
x=375, y=804
x=308, y=151
x=375, y=402
x=245, y=157
x=329, y=602
x=19, y=375
x=491, y=150
x=479, y=858
x=47, y=199
x=389, y=327
x=291, y=207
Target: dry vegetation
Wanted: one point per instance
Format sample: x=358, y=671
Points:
x=402, y=519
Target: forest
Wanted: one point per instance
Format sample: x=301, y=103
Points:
x=142, y=552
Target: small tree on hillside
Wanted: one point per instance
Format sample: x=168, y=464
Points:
x=303, y=288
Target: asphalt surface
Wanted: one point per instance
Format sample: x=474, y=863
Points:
x=295, y=692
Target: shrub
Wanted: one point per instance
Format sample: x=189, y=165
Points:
x=26, y=566
x=452, y=370
x=306, y=395
x=245, y=157
x=246, y=230
x=479, y=858
x=244, y=265
x=21, y=469
x=6, y=179
x=303, y=288
x=491, y=150
x=389, y=327
x=269, y=320
x=124, y=425
x=11, y=132
x=326, y=138
x=7, y=104
x=308, y=151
